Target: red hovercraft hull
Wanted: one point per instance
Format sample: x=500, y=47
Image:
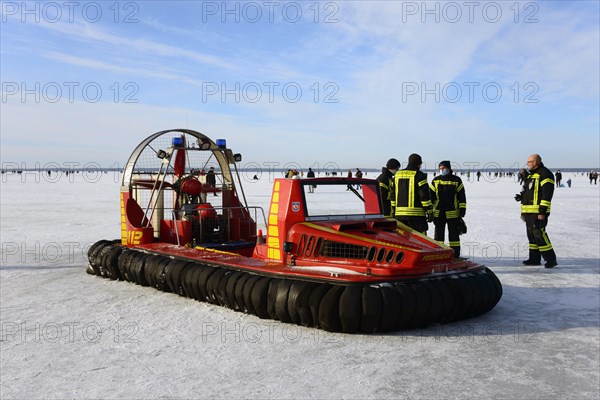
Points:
x=352, y=272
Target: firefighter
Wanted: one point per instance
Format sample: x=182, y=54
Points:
x=386, y=186
x=413, y=204
x=535, y=199
x=449, y=205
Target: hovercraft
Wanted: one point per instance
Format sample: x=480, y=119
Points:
x=186, y=228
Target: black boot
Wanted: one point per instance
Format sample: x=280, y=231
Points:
x=550, y=257
x=456, y=251
x=535, y=258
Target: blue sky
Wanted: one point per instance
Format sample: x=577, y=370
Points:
x=346, y=82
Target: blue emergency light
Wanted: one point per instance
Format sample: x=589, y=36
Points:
x=221, y=143
x=177, y=141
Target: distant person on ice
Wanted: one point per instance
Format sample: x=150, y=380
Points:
x=522, y=175
x=413, y=203
x=311, y=174
x=349, y=175
x=211, y=179
x=386, y=186
x=558, y=177
x=535, y=199
x=358, y=174
x=449, y=205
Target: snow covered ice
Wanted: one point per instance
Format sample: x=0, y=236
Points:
x=67, y=334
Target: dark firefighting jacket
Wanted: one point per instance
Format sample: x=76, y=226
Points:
x=386, y=188
x=412, y=193
x=538, y=189
x=448, y=196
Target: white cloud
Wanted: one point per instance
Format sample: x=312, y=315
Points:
x=156, y=72
x=559, y=53
x=94, y=35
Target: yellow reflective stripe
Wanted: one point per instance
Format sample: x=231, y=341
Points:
x=545, y=248
x=536, y=180
x=525, y=209
x=441, y=182
x=547, y=180
x=274, y=208
x=411, y=191
x=423, y=182
x=454, y=244
x=545, y=203
x=460, y=187
x=452, y=214
x=383, y=185
x=462, y=205
x=273, y=253
x=426, y=203
x=405, y=173
x=533, y=246
x=410, y=175
x=545, y=236
x=410, y=211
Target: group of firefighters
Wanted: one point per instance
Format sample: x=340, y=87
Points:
x=409, y=198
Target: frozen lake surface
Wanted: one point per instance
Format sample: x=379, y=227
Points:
x=67, y=334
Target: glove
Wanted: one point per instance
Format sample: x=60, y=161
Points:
x=541, y=223
x=462, y=212
x=429, y=216
x=462, y=227
x=518, y=197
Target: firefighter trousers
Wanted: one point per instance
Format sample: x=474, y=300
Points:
x=453, y=236
x=539, y=243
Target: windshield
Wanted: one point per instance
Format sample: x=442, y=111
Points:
x=360, y=198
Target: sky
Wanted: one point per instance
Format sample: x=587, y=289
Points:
x=345, y=83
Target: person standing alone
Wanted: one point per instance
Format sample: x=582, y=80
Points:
x=558, y=177
x=535, y=198
x=311, y=174
x=211, y=179
x=449, y=205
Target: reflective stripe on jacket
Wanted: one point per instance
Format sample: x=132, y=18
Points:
x=538, y=190
x=448, y=196
x=412, y=193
